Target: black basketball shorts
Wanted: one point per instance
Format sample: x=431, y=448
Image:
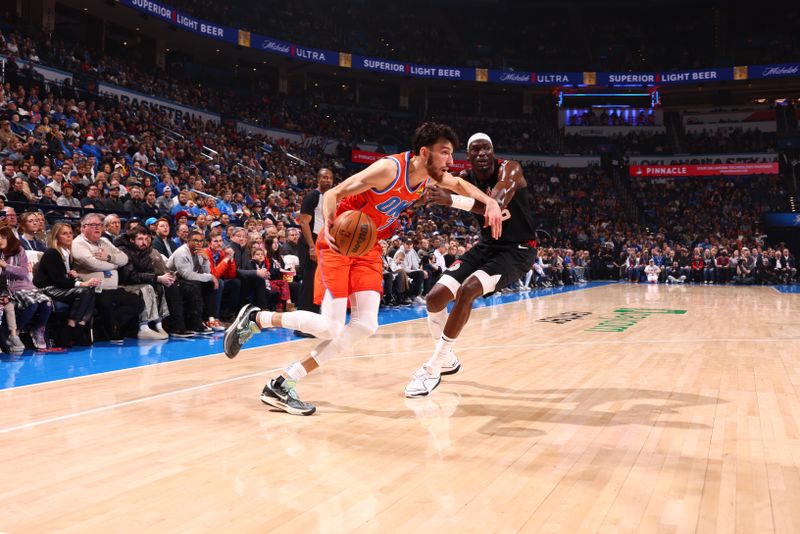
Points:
x=504, y=263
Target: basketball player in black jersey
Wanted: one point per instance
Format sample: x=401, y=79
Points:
x=491, y=264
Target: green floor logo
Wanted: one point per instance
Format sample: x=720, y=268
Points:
x=625, y=318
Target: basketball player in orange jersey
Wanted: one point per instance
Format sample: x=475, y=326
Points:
x=491, y=264
x=383, y=191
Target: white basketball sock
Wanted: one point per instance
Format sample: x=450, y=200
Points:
x=440, y=355
x=264, y=319
x=296, y=371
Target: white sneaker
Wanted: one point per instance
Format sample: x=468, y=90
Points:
x=422, y=383
x=419, y=300
x=452, y=366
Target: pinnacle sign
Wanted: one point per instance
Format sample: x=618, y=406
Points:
x=625, y=318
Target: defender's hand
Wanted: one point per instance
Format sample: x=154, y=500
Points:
x=494, y=217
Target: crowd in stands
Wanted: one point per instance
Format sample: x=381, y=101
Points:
x=630, y=143
x=119, y=222
x=734, y=139
x=713, y=265
x=695, y=209
x=317, y=111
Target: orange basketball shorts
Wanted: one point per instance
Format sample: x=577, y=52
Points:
x=343, y=276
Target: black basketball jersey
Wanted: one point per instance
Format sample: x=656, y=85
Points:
x=519, y=228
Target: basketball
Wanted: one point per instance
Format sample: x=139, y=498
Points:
x=354, y=233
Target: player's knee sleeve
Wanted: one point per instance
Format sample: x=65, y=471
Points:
x=364, y=306
x=357, y=331
x=450, y=283
x=488, y=282
x=354, y=332
x=335, y=311
x=308, y=322
x=325, y=351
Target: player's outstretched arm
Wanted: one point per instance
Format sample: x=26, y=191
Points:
x=378, y=176
x=510, y=178
x=492, y=213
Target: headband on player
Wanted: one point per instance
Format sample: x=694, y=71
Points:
x=480, y=136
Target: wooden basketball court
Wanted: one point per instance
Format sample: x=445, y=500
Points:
x=647, y=419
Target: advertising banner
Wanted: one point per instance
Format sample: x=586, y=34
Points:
x=270, y=45
x=510, y=76
x=440, y=73
x=774, y=71
x=696, y=76
x=535, y=78
x=413, y=70
x=700, y=159
x=176, y=112
x=558, y=78
x=373, y=64
x=625, y=78
x=314, y=55
x=733, y=169
x=183, y=20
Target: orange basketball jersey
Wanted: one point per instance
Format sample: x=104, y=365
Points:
x=386, y=206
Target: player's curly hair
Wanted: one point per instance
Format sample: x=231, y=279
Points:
x=429, y=132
